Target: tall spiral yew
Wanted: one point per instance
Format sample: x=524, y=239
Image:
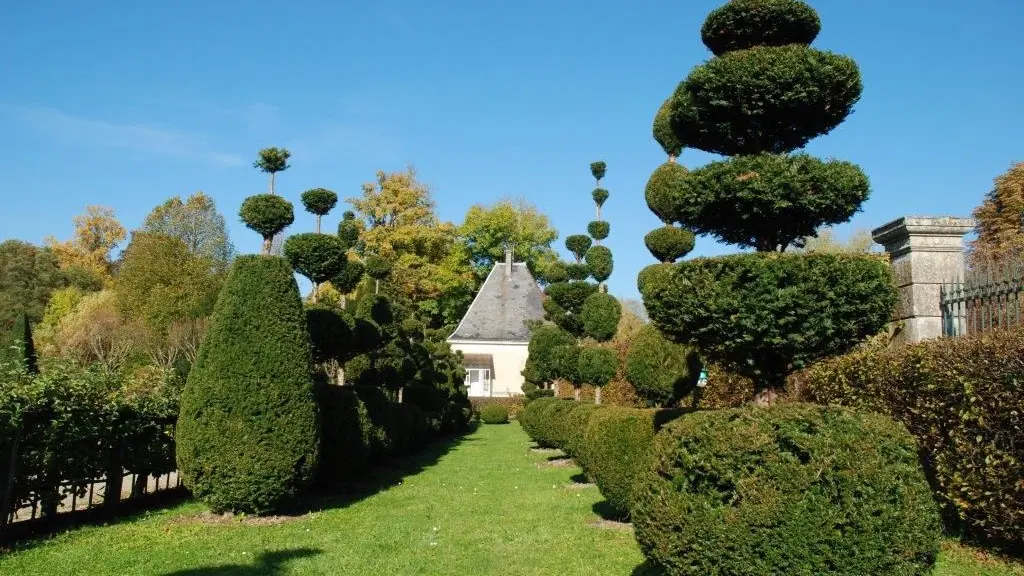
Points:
x=765, y=94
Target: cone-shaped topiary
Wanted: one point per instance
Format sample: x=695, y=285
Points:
x=247, y=438
x=597, y=367
x=599, y=260
x=319, y=202
x=578, y=244
x=599, y=229
x=18, y=346
x=790, y=489
x=267, y=215
x=661, y=371
x=669, y=243
x=766, y=93
x=600, y=314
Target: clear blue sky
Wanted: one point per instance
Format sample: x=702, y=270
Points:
x=126, y=103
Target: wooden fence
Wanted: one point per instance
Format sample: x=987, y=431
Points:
x=986, y=299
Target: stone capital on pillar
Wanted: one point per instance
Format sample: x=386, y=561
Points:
x=924, y=252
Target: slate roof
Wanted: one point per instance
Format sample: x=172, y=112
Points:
x=502, y=307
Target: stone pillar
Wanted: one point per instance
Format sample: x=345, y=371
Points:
x=924, y=252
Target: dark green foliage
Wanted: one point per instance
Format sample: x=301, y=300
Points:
x=599, y=259
x=494, y=414
x=961, y=398
x=577, y=271
x=318, y=257
x=565, y=361
x=575, y=425
x=669, y=243
x=359, y=371
x=578, y=244
x=17, y=346
x=768, y=201
x=348, y=230
x=319, y=201
x=529, y=418
x=247, y=433
x=598, y=169
x=29, y=275
x=564, y=304
x=662, y=188
x=427, y=398
x=764, y=99
x=556, y=272
x=597, y=366
x=600, y=314
x=345, y=433
x=663, y=133
x=662, y=372
x=551, y=425
x=266, y=214
x=600, y=195
x=382, y=422
x=615, y=448
x=791, y=489
x=543, y=341
x=742, y=24
x=537, y=393
x=330, y=333
x=598, y=229
x=377, y=268
x=349, y=277
x=764, y=315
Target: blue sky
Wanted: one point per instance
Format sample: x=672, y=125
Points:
x=125, y=104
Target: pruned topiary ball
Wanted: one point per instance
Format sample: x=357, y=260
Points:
x=663, y=132
x=742, y=24
x=669, y=243
x=376, y=267
x=555, y=272
x=598, y=229
x=266, y=214
x=664, y=184
x=661, y=371
x=601, y=313
x=598, y=169
x=577, y=271
x=319, y=201
x=600, y=196
x=599, y=260
x=578, y=244
x=790, y=489
x=318, y=257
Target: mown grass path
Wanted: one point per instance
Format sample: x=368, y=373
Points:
x=484, y=504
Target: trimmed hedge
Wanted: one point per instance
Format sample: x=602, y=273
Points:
x=962, y=399
x=576, y=421
x=615, y=446
x=494, y=414
x=247, y=433
x=531, y=416
x=791, y=489
x=513, y=404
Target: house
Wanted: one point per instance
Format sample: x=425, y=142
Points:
x=493, y=335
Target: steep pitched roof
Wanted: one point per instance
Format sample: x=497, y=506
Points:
x=502, y=307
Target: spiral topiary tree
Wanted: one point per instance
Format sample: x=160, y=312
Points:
x=319, y=202
x=247, y=436
x=765, y=94
x=267, y=215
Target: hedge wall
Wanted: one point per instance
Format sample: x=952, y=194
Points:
x=962, y=399
x=511, y=403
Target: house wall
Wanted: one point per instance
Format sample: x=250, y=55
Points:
x=509, y=361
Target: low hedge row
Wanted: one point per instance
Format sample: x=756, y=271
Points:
x=513, y=404
x=963, y=400
x=494, y=414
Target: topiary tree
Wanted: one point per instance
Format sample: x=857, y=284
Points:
x=377, y=268
x=319, y=201
x=669, y=243
x=766, y=93
x=540, y=368
x=271, y=161
x=267, y=215
x=597, y=367
x=348, y=278
x=662, y=372
x=578, y=244
x=600, y=315
x=247, y=438
x=791, y=489
x=598, y=230
x=600, y=264
x=349, y=229
x=316, y=256
x=565, y=361
x=18, y=347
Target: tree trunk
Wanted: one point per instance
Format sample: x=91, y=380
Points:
x=317, y=223
x=400, y=395
x=597, y=395
x=344, y=301
x=266, y=246
x=271, y=182
x=576, y=393
x=769, y=391
x=376, y=286
x=316, y=293
x=671, y=159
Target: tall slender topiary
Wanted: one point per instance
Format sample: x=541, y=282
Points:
x=319, y=202
x=765, y=94
x=247, y=438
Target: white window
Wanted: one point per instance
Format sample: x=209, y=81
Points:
x=478, y=380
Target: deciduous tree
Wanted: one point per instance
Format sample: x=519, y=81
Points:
x=97, y=233
x=488, y=230
x=28, y=275
x=196, y=222
x=1000, y=227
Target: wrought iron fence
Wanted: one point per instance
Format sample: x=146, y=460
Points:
x=986, y=299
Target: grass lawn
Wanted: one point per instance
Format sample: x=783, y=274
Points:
x=479, y=506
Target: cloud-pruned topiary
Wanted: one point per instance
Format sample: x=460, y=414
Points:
x=247, y=438
x=598, y=229
x=600, y=263
x=578, y=244
x=600, y=314
x=666, y=180
x=669, y=243
x=540, y=368
x=662, y=372
x=267, y=215
x=597, y=366
x=319, y=202
x=318, y=257
x=743, y=24
x=789, y=489
x=663, y=133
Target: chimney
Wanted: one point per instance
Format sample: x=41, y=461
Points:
x=508, y=262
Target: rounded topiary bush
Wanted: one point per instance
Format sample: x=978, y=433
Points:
x=599, y=229
x=600, y=262
x=669, y=243
x=615, y=445
x=318, y=257
x=247, y=437
x=661, y=371
x=663, y=133
x=529, y=416
x=791, y=489
x=661, y=188
x=600, y=314
x=576, y=425
x=743, y=24
x=267, y=215
x=494, y=414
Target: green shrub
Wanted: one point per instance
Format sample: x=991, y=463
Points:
x=600, y=315
x=494, y=414
x=267, y=215
x=742, y=24
x=599, y=229
x=662, y=372
x=575, y=426
x=345, y=434
x=597, y=367
x=319, y=201
x=382, y=422
x=318, y=257
x=578, y=244
x=961, y=398
x=600, y=262
x=459, y=414
x=552, y=430
x=513, y=404
x=416, y=427
x=17, y=345
x=348, y=230
x=662, y=131
x=731, y=308
x=577, y=271
x=530, y=417
x=669, y=243
x=537, y=394
x=247, y=433
x=614, y=448
x=791, y=489
x=426, y=398
x=330, y=333
x=660, y=191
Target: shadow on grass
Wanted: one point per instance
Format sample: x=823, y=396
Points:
x=579, y=478
x=606, y=511
x=646, y=569
x=268, y=563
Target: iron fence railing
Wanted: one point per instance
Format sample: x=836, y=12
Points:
x=987, y=299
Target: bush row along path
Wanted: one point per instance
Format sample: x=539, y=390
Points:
x=484, y=504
